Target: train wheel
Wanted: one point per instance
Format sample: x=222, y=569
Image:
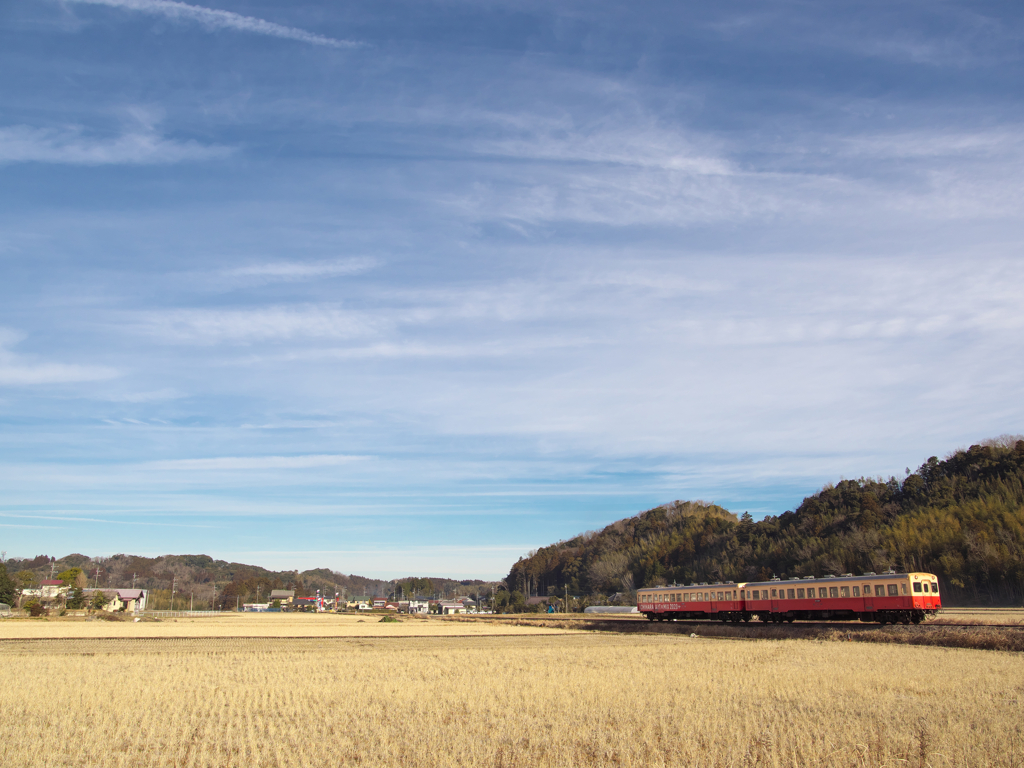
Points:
x=649, y=617
x=916, y=619
x=746, y=618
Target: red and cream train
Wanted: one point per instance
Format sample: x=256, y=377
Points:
x=885, y=598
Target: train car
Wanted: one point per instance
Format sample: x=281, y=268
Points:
x=886, y=598
x=722, y=602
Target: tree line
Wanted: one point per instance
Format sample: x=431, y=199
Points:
x=205, y=583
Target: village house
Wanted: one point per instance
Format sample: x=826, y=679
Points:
x=134, y=600
x=286, y=596
x=112, y=599
x=448, y=608
x=49, y=589
x=413, y=606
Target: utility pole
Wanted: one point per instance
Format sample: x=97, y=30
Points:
x=191, y=597
x=133, y=580
x=172, y=592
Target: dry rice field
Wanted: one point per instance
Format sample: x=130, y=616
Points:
x=533, y=698
x=254, y=625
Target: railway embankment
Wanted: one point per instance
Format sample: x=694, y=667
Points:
x=987, y=637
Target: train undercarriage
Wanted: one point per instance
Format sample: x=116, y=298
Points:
x=914, y=616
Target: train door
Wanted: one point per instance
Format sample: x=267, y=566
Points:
x=869, y=600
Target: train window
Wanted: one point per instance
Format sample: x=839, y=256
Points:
x=935, y=588
x=720, y=596
x=856, y=591
x=903, y=588
x=867, y=590
x=791, y=593
x=833, y=592
x=775, y=593
x=893, y=590
x=879, y=590
x=917, y=586
x=844, y=591
x=822, y=592
x=799, y=594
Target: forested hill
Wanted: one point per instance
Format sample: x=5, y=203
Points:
x=961, y=518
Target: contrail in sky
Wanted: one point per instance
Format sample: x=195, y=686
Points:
x=216, y=19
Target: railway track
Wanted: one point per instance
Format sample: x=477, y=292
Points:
x=640, y=622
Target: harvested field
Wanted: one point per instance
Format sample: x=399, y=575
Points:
x=588, y=699
x=256, y=625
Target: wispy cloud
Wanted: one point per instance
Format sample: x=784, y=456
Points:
x=255, y=462
x=249, y=325
x=24, y=144
x=214, y=19
x=154, y=396
x=21, y=370
x=288, y=271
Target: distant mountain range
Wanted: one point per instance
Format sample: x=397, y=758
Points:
x=961, y=518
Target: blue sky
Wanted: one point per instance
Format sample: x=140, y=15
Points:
x=416, y=287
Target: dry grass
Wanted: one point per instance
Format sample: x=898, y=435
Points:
x=979, y=616
x=570, y=700
x=256, y=625
x=978, y=637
